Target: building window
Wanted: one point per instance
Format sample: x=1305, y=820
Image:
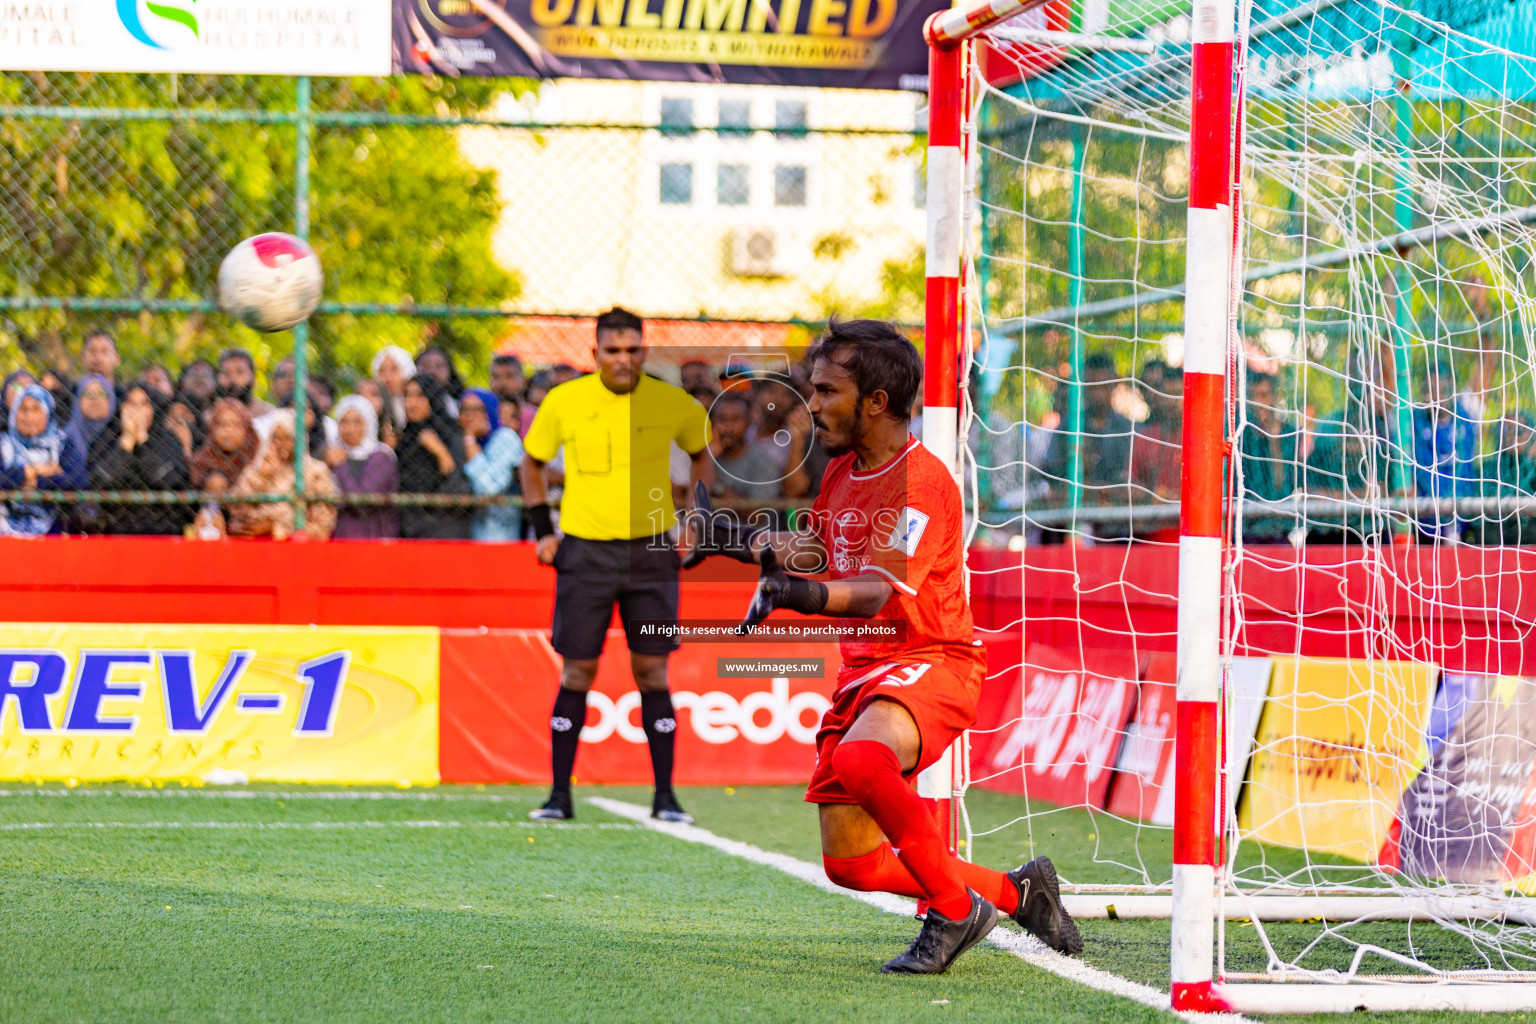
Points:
x=676, y=116
x=789, y=119
x=732, y=185
x=676, y=184
x=789, y=186
x=735, y=116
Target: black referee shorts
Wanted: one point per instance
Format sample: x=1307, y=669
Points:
x=593, y=575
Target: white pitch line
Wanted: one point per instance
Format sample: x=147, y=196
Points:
x=1026, y=947
x=215, y=793
x=38, y=826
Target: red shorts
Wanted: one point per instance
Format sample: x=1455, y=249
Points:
x=939, y=691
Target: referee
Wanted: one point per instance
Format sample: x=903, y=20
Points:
x=617, y=427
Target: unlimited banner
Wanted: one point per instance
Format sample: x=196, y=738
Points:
x=255, y=37
x=869, y=44
x=98, y=702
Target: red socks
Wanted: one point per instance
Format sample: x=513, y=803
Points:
x=871, y=773
x=880, y=871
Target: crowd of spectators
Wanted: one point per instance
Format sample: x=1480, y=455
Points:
x=1366, y=481
x=410, y=427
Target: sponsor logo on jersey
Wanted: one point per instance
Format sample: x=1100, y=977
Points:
x=909, y=531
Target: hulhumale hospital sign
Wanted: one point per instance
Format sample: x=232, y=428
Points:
x=263, y=37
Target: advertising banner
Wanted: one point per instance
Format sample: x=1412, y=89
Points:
x=256, y=37
x=744, y=715
x=1465, y=817
x=1143, y=786
x=850, y=44
x=1337, y=744
x=1058, y=734
x=289, y=703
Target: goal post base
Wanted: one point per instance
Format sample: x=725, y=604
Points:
x=1144, y=907
x=1411, y=995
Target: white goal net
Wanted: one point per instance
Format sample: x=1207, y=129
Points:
x=1379, y=665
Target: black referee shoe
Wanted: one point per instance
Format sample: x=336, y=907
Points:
x=666, y=808
x=942, y=941
x=557, y=808
x=1040, y=911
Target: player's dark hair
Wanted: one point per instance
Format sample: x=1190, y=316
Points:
x=237, y=353
x=506, y=359
x=619, y=319
x=878, y=357
x=735, y=398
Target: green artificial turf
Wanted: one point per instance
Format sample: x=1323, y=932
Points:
x=453, y=908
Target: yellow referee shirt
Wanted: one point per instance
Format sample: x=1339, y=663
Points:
x=617, y=452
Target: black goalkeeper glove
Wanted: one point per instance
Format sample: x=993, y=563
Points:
x=717, y=535
x=779, y=589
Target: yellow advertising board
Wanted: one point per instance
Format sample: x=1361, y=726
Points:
x=1338, y=743
x=274, y=703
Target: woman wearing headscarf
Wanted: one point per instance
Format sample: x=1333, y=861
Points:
x=37, y=454
x=271, y=472
x=95, y=405
x=11, y=388
x=494, y=454
x=362, y=465
x=138, y=452
x=431, y=460
x=392, y=367
x=229, y=449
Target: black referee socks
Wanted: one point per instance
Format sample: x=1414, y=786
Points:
x=565, y=724
x=660, y=722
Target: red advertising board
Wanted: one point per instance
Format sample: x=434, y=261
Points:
x=498, y=688
x=1143, y=787
x=1058, y=734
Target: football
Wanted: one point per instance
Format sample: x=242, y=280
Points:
x=270, y=282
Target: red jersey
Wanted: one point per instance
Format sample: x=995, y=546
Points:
x=903, y=523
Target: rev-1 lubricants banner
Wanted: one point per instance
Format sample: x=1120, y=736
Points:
x=869, y=44
x=292, y=703
x=258, y=37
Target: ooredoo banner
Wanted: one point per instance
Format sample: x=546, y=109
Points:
x=850, y=44
x=289, y=703
x=1338, y=743
x=257, y=37
x=749, y=728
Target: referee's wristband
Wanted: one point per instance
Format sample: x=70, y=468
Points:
x=543, y=522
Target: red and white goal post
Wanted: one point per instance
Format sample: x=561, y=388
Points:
x=1204, y=890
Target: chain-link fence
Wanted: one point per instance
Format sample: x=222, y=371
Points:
x=457, y=220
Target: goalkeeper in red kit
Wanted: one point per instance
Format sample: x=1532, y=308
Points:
x=886, y=531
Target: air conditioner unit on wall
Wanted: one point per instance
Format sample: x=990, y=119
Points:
x=763, y=251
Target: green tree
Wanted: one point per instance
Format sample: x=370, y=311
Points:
x=116, y=207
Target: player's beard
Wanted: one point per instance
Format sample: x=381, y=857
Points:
x=855, y=437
